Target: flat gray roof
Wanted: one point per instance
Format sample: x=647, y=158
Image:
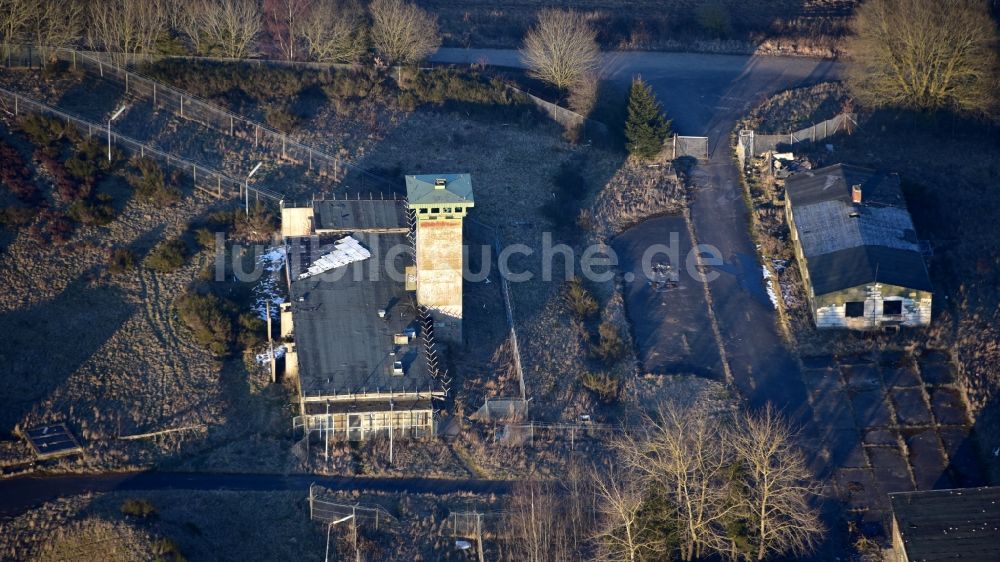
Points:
x=846, y=244
x=949, y=524
x=344, y=347
x=350, y=215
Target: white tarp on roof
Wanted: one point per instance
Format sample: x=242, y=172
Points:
x=345, y=251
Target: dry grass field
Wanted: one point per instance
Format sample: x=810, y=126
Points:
x=728, y=25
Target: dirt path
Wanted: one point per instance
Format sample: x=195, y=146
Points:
x=20, y=494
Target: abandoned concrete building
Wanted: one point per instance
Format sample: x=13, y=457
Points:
x=857, y=249
x=954, y=524
x=360, y=343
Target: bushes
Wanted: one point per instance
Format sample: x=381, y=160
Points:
x=217, y=323
x=610, y=347
x=578, y=299
x=97, y=212
x=138, y=508
x=210, y=320
x=603, y=385
x=121, y=260
x=570, y=188
x=167, y=256
x=150, y=183
x=15, y=174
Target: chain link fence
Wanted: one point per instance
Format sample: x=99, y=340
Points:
x=204, y=178
x=690, y=147
x=184, y=105
x=750, y=143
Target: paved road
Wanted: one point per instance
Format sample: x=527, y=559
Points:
x=22, y=493
x=705, y=95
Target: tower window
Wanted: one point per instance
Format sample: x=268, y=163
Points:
x=892, y=308
x=854, y=309
x=423, y=211
x=436, y=210
x=447, y=209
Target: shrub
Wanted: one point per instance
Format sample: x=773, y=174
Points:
x=42, y=130
x=604, y=386
x=167, y=256
x=611, y=347
x=210, y=320
x=15, y=174
x=57, y=227
x=17, y=217
x=150, y=183
x=578, y=299
x=252, y=331
x=121, y=260
x=138, y=508
x=96, y=212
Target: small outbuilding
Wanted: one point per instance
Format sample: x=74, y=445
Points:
x=857, y=249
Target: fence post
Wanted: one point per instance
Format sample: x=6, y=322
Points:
x=194, y=173
x=674, y=155
x=154, y=94
x=100, y=66
x=182, y=105
x=15, y=104
x=230, y=125
x=74, y=60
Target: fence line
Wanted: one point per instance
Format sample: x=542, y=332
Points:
x=750, y=143
x=194, y=108
x=212, y=181
x=497, y=241
x=694, y=147
x=327, y=511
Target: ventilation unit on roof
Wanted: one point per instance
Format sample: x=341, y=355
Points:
x=440, y=183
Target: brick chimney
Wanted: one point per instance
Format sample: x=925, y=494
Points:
x=856, y=194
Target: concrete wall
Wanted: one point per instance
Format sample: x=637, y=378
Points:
x=296, y=221
x=830, y=310
x=439, y=275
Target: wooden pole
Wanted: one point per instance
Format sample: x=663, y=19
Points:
x=270, y=340
x=479, y=535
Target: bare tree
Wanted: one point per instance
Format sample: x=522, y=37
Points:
x=925, y=54
x=285, y=22
x=685, y=453
x=535, y=526
x=562, y=48
x=776, y=487
x=187, y=18
x=229, y=27
x=58, y=23
x=402, y=32
x=15, y=15
x=334, y=31
x=126, y=27
x=623, y=532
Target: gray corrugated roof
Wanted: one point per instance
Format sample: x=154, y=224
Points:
x=421, y=190
x=847, y=245
x=343, y=346
x=352, y=215
x=949, y=524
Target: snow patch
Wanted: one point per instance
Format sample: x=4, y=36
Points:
x=769, y=285
x=266, y=289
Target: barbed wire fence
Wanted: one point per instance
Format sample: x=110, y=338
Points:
x=204, y=178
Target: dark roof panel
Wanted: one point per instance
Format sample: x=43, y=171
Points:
x=847, y=244
x=344, y=347
x=949, y=524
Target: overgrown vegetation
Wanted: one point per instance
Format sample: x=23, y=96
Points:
x=150, y=183
x=217, y=323
x=167, y=256
x=139, y=508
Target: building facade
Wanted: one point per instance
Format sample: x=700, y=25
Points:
x=857, y=249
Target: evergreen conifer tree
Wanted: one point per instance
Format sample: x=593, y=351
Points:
x=646, y=127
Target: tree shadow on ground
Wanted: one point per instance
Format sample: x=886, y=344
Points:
x=47, y=342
